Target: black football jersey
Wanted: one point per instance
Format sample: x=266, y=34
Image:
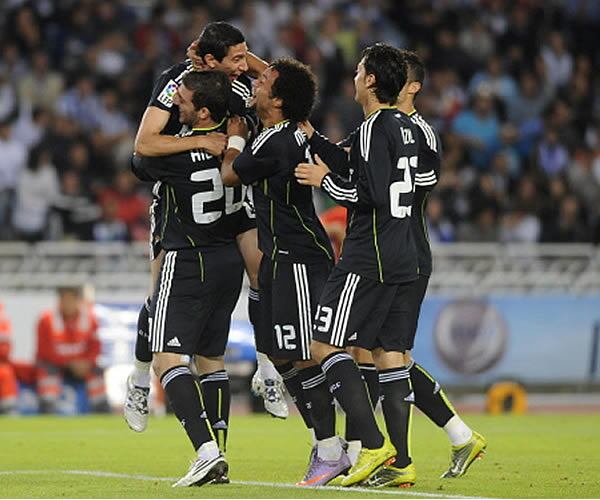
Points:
x=289, y=229
x=376, y=182
x=426, y=177
x=198, y=211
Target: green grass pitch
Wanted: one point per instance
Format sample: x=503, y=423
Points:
x=98, y=457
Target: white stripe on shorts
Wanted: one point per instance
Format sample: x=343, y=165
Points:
x=342, y=313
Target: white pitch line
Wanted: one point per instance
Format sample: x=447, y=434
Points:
x=119, y=475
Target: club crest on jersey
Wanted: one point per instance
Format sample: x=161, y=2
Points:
x=167, y=94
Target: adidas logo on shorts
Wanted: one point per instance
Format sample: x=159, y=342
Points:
x=352, y=337
x=174, y=342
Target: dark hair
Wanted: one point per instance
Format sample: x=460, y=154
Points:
x=216, y=38
x=211, y=90
x=389, y=68
x=296, y=86
x=74, y=289
x=415, y=69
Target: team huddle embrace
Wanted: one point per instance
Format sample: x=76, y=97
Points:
x=227, y=141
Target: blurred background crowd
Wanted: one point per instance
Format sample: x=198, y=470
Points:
x=512, y=87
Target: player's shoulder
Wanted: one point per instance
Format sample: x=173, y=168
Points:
x=177, y=71
x=275, y=137
x=242, y=86
x=427, y=133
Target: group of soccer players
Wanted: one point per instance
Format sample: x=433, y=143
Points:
x=208, y=135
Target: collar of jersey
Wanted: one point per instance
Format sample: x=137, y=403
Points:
x=278, y=123
x=412, y=112
x=206, y=129
x=379, y=109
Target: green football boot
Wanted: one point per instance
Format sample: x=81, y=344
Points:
x=463, y=456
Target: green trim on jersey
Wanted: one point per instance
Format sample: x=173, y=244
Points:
x=201, y=260
x=379, y=109
x=379, y=267
x=208, y=129
x=311, y=233
x=425, y=230
x=272, y=224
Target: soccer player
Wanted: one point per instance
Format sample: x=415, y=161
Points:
x=365, y=298
x=201, y=274
x=297, y=253
x=67, y=345
x=224, y=49
x=467, y=444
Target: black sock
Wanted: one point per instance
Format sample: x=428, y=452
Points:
x=184, y=396
x=142, y=343
x=216, y=393
x=254, y=308
x=292, y=382
x=429, y=396
x=316, y=393
x=346, y=385
x=368, y=373
x=396, y=399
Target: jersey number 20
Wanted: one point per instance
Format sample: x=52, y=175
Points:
x=201, y=216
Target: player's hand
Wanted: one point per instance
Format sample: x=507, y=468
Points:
x=307, y=128
x=80, y=368
x=311, y=174
x=199, y=64
x=236, y=125
x=213, y=143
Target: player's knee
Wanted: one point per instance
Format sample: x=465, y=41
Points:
x=205, y=364
x=319, y=350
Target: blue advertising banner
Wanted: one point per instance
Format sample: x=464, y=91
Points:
x=532, y=338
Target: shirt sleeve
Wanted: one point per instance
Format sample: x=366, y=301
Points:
x=45, y=346
x=375, y=166
x=333, y=155
x=259, y=160
x=430, y=149
x=163, y=92
x=153, y=168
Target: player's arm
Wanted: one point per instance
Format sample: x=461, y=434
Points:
x=150, y=142
x=256, y=65
x=247, y=165
x=46, y=349
x=428, y=171
x=334, y=156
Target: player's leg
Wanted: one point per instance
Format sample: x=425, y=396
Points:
x=430, y=398
x=267, y=381
x=8, y=390
x=135, y=408
x=179, y=315
x=297, y=310
x=347, y=305
x=366, y=366
x=96, y=390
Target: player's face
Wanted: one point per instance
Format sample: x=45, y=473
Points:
x=360, y=84
x=70, y=303
x=234, y=63
x=183, y=100
x=262, y=98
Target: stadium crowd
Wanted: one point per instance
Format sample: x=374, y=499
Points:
x=511, y=88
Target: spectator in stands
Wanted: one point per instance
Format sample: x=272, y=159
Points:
x=552, y=157
x=68, y=347
x=110, y=227
x=439, y=227
x=80, y=102
x=13, y=157
x=8, y=380
x=558, y=61
x=36, y=191
x=569, y=227
x=40, y=87
x=132, y=208
x=479, y=128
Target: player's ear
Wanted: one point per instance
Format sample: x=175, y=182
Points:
x=414, y=87
x=204, y=113
x=210, y=61
x=370, y=80
x=277, y=102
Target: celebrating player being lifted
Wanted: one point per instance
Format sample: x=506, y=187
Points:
x=365, y=299
x=201, y=274
x=297, y=254
x=221, y=47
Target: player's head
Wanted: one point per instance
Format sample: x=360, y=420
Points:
x=287, y=86
x=70, y=299
x=380, y=74
x=415, y=76
x=203, y=96
x=223, y=47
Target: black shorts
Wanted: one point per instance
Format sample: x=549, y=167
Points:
x=360, y=312
x=194, y=299
x=156, y=219
x=417, y=294
x=289, y=293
